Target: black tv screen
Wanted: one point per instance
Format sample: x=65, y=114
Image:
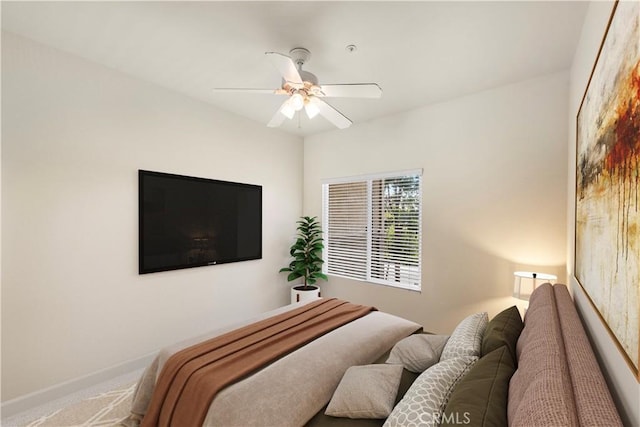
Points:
x=192, y=222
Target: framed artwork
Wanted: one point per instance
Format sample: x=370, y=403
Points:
x=607, y=239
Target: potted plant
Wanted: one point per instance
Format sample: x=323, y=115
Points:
x=307, y=259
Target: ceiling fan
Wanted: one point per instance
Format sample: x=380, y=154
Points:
x=303, y=90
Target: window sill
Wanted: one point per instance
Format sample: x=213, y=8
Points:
x=381, y=283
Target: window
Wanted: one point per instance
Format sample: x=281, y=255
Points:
x=372, y=228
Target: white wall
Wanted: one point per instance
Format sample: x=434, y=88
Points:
x=494, y=194
x=74, y=135
x=622, y=383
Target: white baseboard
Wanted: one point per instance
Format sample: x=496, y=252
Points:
x=59, y=391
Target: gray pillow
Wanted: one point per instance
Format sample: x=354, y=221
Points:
x=466, y=339
x=367, y=391
x=418, y=352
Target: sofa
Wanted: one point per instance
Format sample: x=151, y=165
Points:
x=558, y=381
x=540, y=372
x=506, y=371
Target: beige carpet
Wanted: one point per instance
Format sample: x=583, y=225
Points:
x=104, y=409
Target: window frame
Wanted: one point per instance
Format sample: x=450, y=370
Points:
x=369, y=179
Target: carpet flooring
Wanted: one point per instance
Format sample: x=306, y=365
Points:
x=90, y=408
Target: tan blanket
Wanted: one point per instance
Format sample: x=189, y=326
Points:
x=192, y=377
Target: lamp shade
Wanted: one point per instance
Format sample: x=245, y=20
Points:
x=311, y=108
x=297, y=101
x=287, y=109
x=526, y=282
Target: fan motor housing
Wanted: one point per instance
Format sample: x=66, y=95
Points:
x=308, y=77
x=300, y=55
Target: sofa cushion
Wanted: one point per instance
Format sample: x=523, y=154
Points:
x=418, y=352
x=466, y=339
x=480, y=398
x=540, y=390
x=425, y=400
x=594, y=404
x=503, y=329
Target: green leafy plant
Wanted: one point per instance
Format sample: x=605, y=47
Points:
x=307, y=253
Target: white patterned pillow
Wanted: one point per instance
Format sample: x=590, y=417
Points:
x=425, y=401
x=466, y=339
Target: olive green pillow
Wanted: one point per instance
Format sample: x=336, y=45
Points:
x=503, y=329
x=480, y=398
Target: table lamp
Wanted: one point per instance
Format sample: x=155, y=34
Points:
x=526, y=282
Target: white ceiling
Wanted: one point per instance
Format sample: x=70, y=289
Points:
x=418, y=52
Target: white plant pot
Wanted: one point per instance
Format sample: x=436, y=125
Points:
x=301, y=295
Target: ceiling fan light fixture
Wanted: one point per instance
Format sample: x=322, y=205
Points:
x=297, y=101
x=287, y=109
x=311, y=109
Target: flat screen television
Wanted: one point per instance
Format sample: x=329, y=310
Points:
x=192, y=222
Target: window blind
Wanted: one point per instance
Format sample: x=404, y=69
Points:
x=373, y=229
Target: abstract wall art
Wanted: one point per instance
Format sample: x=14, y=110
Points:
x=607, y=239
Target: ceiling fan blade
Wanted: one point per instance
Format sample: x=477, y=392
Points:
x=276, y=120
x=354, y=90
x=284, y=112
x=249, y=90
x=285, y=67
x=330, y=113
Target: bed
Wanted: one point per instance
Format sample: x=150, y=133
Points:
x=378, y=369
